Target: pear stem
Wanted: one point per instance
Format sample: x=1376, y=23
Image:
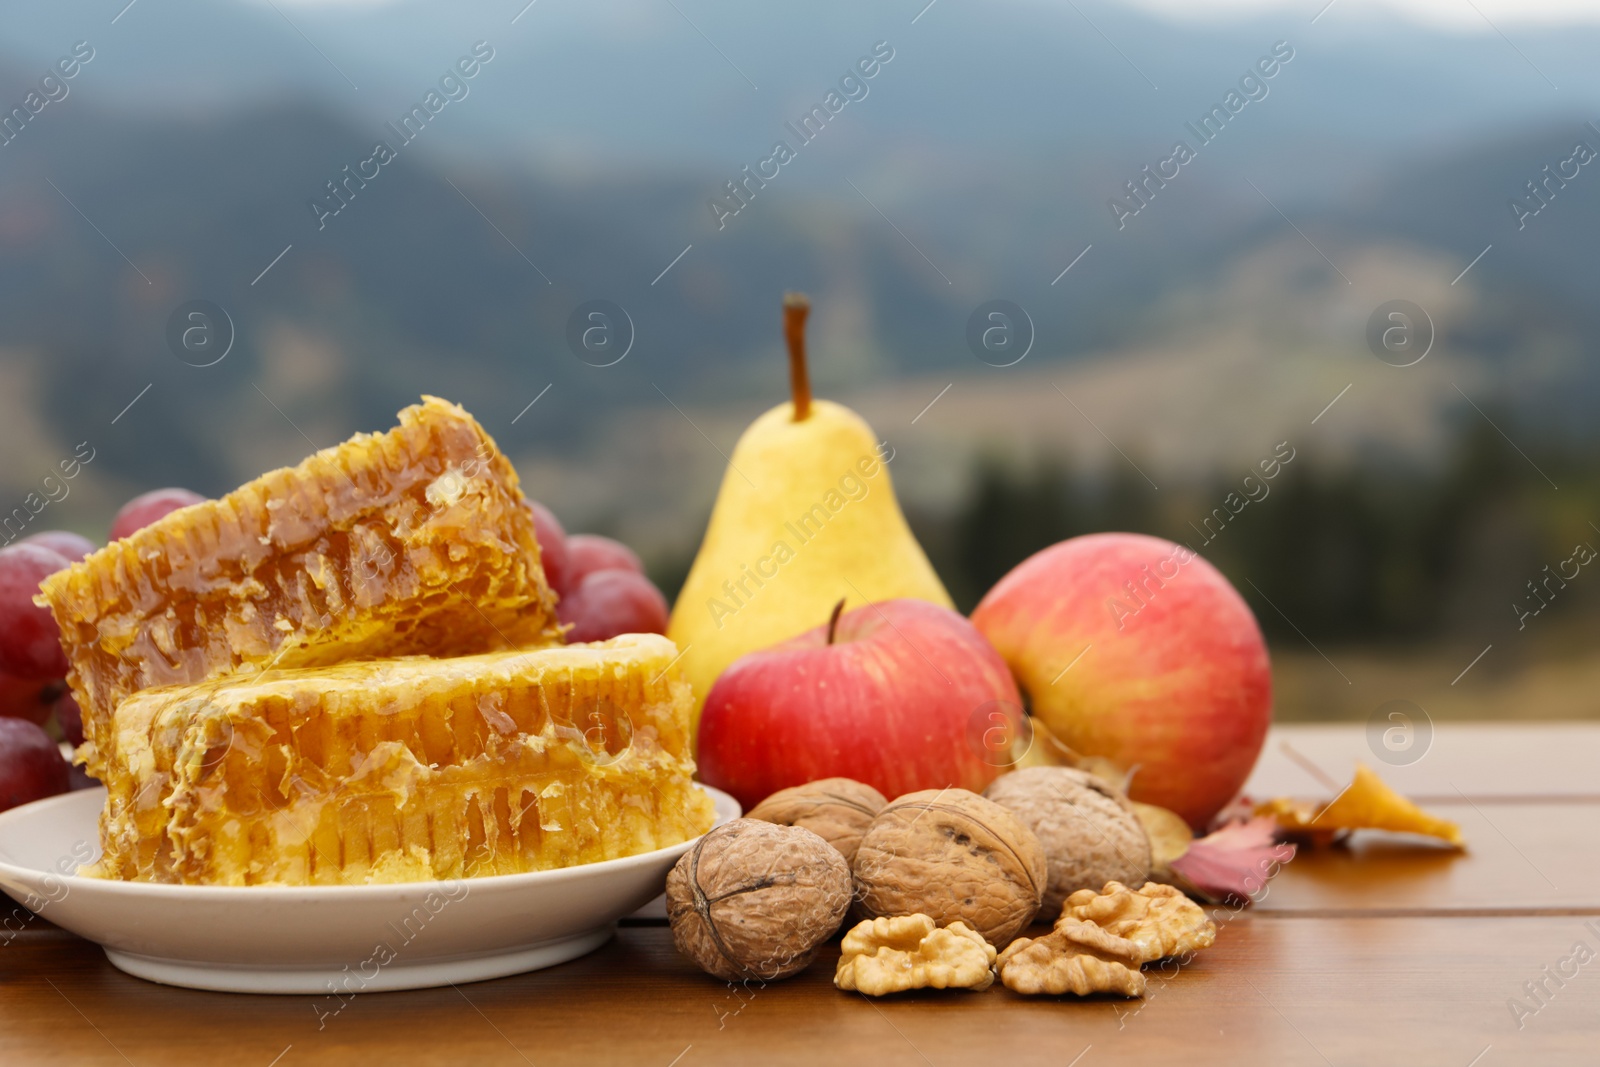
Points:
x=796, y=306
x=833, y=620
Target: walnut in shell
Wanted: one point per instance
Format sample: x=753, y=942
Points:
x=892, y=955
x=1157, y=918
x=836, y=809
x=1090, y=832
x=1075, y=957
x=754, y=900
x=953, y=856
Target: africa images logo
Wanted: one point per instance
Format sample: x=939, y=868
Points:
x=852, y=86
x=1252, y=87
x=52, y=88
x=453, y=87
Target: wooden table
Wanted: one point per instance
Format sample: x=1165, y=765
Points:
x=1380, y=954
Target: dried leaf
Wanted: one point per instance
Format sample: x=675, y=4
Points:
x=1293, y=817
x=1233, y=864
x=1045, y=749
x=1040, y=748
x=1169, y=836
x=1367, y=803
x=1240, y=807
x=1370, y=804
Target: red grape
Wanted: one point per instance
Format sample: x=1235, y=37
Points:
x=141, y=511
x=552, y=546
x=608, y=603
x=70, y=545
x=30, y=641
x=587, y=553
x=28, y=698
x=31, y=766
x=69, y=718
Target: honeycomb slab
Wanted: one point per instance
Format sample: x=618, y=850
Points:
x=404, y=769
x=414, y=541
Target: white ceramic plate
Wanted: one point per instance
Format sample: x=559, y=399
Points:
x=320, y=939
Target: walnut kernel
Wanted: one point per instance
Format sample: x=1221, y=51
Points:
x=754, y=900
x=1157, y=918
x=1075, y=957
x=892, y=955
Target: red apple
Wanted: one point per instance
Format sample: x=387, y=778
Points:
x=607, y=603
x=552, y=547
x=587, y=553
x=146, y=508
x=895, y=694
x=1173, y=680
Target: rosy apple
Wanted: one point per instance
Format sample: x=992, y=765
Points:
x=895, y=694
x=1137, y=650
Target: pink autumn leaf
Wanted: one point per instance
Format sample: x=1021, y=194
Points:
x=1233, y=864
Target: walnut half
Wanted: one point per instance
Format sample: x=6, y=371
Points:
x=894, y=954
x=1157, y=918
x=1075, y=957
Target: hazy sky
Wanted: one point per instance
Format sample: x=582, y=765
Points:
x=1484, y=15
x=1465, y=14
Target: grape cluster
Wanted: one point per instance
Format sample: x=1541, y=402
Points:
x=601, y=583
x=33, y=668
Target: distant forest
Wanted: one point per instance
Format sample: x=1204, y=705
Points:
x=1367, y=552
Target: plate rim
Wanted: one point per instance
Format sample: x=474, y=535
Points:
x=24, y=813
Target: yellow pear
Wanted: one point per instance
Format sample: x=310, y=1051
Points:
x=806, y=516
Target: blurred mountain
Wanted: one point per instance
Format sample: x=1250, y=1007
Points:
x=581, y=163
x=642, y=82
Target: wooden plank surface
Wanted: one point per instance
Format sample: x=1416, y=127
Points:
x=1497, y=760
x=1383, y=952
x=1520, y=858
x=1279, y=991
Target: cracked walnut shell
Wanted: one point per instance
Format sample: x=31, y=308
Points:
x=953, y=856
x=1075, y=957
x=1090, y=831
x=1158, y=918
x=892, y=955
x=838, y=810
x=755, y=900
